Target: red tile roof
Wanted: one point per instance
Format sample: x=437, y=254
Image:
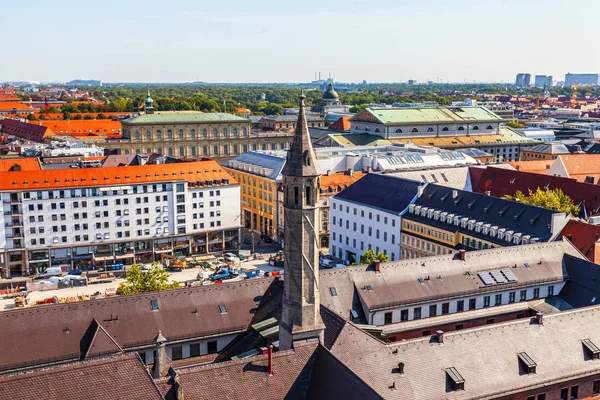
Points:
x=537, y=166
x=14, y=105
x=94, y=127
x=119, y=377
x=342, y=124
x=19, y=164
x=500, y=182
x=339, y=181
x=24, y=130
x=585, y=237
x=580, y=166
x=191, y=172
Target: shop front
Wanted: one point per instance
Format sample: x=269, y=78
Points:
x=124, y=253
x=181, y=246
x=83, y=258
x=199, y=244
x=215, y=241
x=103, y=255
x=162, y=246
x=38, y=260
x=232, y=239
x=61, y=257
x=15, y=264
x=143, y=252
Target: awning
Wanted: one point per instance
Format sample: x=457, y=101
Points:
x=125, y=256
x=39, y=261
x=103, y=258
x=163, y=251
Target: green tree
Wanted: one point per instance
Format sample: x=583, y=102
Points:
x=272, y=109
x=66, y=115
x=77, y=116
x=31, y=117
x=153, y=280
x=369, y=257
x=101, y=116
x=52, y=110
x=549, y=198
x=88, y=116
x=514, y=124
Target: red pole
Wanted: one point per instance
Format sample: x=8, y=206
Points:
x=270, y=360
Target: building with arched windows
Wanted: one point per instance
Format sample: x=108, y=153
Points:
x=219, y=136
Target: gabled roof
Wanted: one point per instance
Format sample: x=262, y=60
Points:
x=97, y=342
x=19, y=164
x=491, y=371
x=93, y=127
x=261, y=164
x=24, y=130
x=249, y=378
x=183, y=118
x=129, y=320
x=14, y=105
x=398, y=283
x=536, y=166
x=342, y=124
x=339, y=180
x=118, y=377
x=387, y=193
x=580, y=166
x=584, y=236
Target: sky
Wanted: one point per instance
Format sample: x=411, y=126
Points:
x=288, y=41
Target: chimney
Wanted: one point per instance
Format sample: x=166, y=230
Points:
x=350, y=172
x=270, y=360
x=401, y=368
x=377, y=265
x=488, y=192
x=454, y=193
x=461, y=253
x=328, y=172
x=161, y=362
x=420, y=189
x=539, y=318
x=518, y=167
x=440, y=337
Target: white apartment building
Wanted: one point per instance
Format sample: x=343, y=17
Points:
x=84, y=216
x=367, y=215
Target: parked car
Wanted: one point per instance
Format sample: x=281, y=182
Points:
x=75, y=272
x=69, y=278
x=326, y=263
x=51, y=271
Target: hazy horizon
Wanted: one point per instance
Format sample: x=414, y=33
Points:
x=231, y=41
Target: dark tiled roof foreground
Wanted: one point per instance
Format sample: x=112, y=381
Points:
x=349, y=364
x=117, y=377
x=129, y=322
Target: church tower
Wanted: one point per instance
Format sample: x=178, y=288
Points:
x=300, y=316
x=149, y=104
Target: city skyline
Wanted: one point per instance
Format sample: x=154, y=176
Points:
x=273, y=42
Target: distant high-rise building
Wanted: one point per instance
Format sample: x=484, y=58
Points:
x=581, y=79
x=543, y=80
x=523, y=79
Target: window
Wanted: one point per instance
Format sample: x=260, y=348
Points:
x=404, y=315
x=194, y=347
x=486, y=301
x=211, y=347
x=417, y=313
x=387, y=318
x=541, y=396
x=596, y=389
x=154, y=304
x=460, y=305
x=511, y=297
x=433, y=310
x=176, y=353
x=222, y=308
x=523, y=295
x=333, y=291
x=445, y=308
x=564, y=393
x=498, y=299
x=536, y=293
x=575, y=392
x=550, y=290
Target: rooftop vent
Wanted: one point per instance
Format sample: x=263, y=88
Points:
x=456, y=379
x=528, y=363
x=591, y=348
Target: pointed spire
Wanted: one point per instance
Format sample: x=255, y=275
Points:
x=159, y=338
x=301, y=159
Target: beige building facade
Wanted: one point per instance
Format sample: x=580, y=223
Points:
x=195, y=135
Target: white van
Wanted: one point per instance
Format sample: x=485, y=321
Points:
x=51, y=271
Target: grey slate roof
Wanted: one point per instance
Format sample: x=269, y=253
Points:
x=486, y=357
x=244, y=162
x=398, y=284
x=384, y=192
x=503, y=213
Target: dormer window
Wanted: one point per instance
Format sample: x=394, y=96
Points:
x=528, y=363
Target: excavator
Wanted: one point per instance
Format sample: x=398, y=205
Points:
x=171, y=262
